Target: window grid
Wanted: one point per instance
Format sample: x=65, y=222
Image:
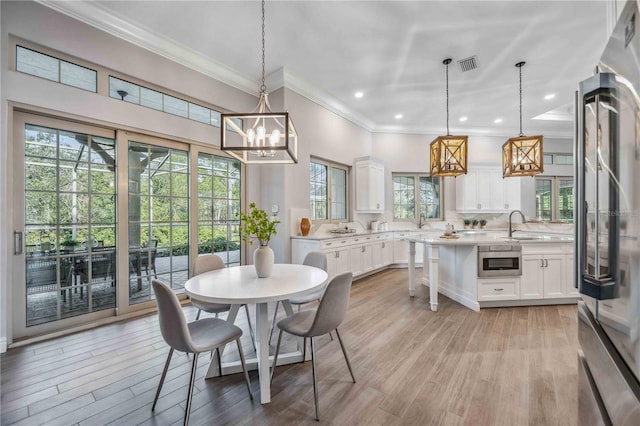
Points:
x=164, y=102
x=328, y=191
x=554, y=199
x=410, y=201
x=219, y=195
x=49, y=67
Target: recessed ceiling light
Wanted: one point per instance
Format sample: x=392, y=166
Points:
x=358, y=95
x=497, y=120
x=550, y=96
x=398, y=116
x=463, y=118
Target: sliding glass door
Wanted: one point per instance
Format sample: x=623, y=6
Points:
x=66, y=174
x=99, y=213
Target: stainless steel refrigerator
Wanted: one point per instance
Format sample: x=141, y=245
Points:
x=607, y=243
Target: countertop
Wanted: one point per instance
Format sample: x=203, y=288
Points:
x=466, y=237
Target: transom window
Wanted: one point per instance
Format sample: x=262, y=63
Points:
x=417, y=195
x=328, y=187
x=554, y=199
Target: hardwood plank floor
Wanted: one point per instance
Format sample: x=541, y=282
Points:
x=503, y=366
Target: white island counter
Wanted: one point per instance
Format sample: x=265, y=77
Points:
x=450, y=266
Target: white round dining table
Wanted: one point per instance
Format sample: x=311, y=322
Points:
x=239, y=285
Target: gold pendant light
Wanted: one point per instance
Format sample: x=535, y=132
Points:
x=522, y=156
x=261, y=136
x=448, y=154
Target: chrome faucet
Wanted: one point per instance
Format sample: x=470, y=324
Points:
x=511, y=231
x=420, y=220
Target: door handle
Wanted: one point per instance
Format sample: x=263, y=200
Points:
x=17, y=242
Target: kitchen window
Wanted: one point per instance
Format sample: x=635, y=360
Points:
x=554, y=199
x=328, y=191
x=417, y=195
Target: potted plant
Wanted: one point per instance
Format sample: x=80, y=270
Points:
x=69, y=243
x=257, y=225
x=474, y=223
x=483, y=223
x=467, y=223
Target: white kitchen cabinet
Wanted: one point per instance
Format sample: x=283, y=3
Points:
x=570, y=280
x=337, y=261
x=491, y=289
x=387, y=251
x=369, y=186
x=484, y=189
x=401, y=248
x=544, y=272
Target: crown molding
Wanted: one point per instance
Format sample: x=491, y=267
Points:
x=92, y=13
x=474, y=131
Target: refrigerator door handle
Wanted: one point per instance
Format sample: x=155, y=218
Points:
x=597, y=97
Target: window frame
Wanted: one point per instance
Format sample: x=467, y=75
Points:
x=416, y=194
x=332, y=165
x=555, y=194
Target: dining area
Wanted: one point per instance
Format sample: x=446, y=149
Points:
x=216, y=289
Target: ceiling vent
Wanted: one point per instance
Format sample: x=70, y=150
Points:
x=468, y=64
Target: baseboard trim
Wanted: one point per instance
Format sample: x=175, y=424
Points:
x=527, y=302
x=461, y=298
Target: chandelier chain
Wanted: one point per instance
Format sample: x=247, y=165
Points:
x=263, y=87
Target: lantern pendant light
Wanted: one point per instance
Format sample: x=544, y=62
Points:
x=448, y=154
x=261, y=136
x=522, y=156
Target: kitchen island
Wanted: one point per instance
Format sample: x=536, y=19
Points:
x=450, y=267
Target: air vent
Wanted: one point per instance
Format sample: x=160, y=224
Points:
x=468, y=64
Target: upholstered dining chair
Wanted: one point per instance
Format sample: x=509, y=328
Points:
x=313, y=258
x=195, y=337
x=312, y=323
x=211, y=262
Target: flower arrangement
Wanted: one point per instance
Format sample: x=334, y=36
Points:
x=256, y=225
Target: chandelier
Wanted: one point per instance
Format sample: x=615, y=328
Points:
x=260, y=136
x=522, y=155
x=448, y=154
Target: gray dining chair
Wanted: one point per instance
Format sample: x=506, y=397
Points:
x=211, y=262
x=195, y=337
x=318, y=260
x=312, y=323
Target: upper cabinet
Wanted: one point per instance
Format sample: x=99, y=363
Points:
x=484, y=189
x=369, y=186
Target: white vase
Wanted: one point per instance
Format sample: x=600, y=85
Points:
x=263, y=261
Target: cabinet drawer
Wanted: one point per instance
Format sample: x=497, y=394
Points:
x=498, y=289
x=338, y=242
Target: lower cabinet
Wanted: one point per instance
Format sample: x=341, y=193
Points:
x=401, y=248
x=498, y=288
x=357, y=254
x=543, y=273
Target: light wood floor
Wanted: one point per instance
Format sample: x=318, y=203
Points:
x=508, y=366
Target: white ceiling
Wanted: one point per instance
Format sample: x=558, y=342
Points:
x=390, y=50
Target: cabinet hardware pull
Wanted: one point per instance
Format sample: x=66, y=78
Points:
x=364, y=249
x=342, y=242
x=541, y=263
x=329, y=244
x=383, y=246
x=337, y=254
x=498, y=289
x=546, y=263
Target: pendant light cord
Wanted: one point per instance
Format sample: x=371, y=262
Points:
x=446, y=63
x=263, y=88
x=520, y=65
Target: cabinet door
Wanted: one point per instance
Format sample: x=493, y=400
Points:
x=484, y=190
x=498, y=288
x=355, y=258
x=570, y=280
x=498, y=186
x=362, y=186
x=387, y=253
x=400, y=250
x=531, y=284
x=554, y=275
x=377, y=255
x=467, y=191
x=367, y=257
x=342, y=261
x=331, y=262
x=376, y=189
x=512, y=189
